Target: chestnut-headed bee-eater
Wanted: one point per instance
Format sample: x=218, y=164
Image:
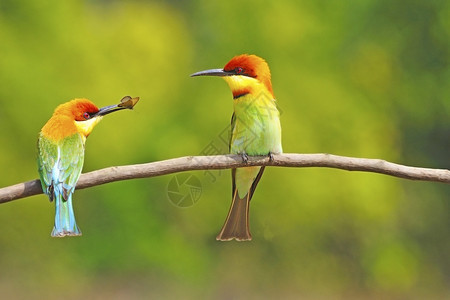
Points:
x=61, y=155
x=255, y=130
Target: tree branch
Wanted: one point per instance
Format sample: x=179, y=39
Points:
x=190, y=163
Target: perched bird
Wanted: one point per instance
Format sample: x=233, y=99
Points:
x=61, y=155
x=255, y=130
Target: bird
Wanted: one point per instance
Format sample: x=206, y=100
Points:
x=61, y=145
x=255, y=130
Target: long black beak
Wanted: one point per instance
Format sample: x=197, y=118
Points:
x=213, y=72
x=108, y=109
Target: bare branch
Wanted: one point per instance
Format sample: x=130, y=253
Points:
x=190, y=163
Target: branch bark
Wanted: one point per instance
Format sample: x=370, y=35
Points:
x=190, y=163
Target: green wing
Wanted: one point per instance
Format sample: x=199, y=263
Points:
x=60, y=164
x=71, y=162
x=233, y=123
x=47, y=156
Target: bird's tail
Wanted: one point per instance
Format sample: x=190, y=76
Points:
x=236, y=225
x=65, y=224
x=237, y=222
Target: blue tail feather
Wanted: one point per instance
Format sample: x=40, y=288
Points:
x=65, y=224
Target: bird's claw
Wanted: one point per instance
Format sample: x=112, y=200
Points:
x=244, y=157
x=271, y=158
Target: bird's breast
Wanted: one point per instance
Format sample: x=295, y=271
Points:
x=256, y=129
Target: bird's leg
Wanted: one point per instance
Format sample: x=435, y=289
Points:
x=271, y=159
x=244, y=157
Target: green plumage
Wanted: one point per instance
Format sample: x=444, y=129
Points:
x=255, y=130
x=60, y=164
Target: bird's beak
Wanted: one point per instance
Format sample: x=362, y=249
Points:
x=213, y=72
x=108, y=109
x=126, y=102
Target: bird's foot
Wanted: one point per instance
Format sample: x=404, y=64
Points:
x=271, y=158
x=244, y=157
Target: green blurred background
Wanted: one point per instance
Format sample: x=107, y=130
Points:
x=356, y=78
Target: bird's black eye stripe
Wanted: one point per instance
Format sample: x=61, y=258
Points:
x=241, y=71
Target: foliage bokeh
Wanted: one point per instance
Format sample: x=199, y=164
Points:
x=355, y=78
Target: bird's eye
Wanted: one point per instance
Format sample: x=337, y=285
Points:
x=238, y=70
x=86, y=115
